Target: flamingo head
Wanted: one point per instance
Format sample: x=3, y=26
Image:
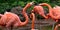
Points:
x=30, y=4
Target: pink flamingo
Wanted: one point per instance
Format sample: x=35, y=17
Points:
x=54, y=13
x=39, y=10
x=10, y=19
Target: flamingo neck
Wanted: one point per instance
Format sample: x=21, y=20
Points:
x=50, y=11
x=49, y=7
x=26, y=21
x=33, y=19
x=25, y=15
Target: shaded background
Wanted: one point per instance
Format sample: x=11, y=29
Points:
x=8, y=4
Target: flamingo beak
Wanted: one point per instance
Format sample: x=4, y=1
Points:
x=32, y=3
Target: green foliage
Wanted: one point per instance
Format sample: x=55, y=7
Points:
x=8, y=4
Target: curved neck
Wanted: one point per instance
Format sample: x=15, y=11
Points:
x=50, y=10
x=49, y=7
x=26, y=19
x=45, y=4
x=33, y=19
x=25, y=15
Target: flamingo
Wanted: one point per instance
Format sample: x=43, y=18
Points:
x=57, y=14
x=39, y=10
x=54, y=13
x=10, y=19
x=32, y=16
